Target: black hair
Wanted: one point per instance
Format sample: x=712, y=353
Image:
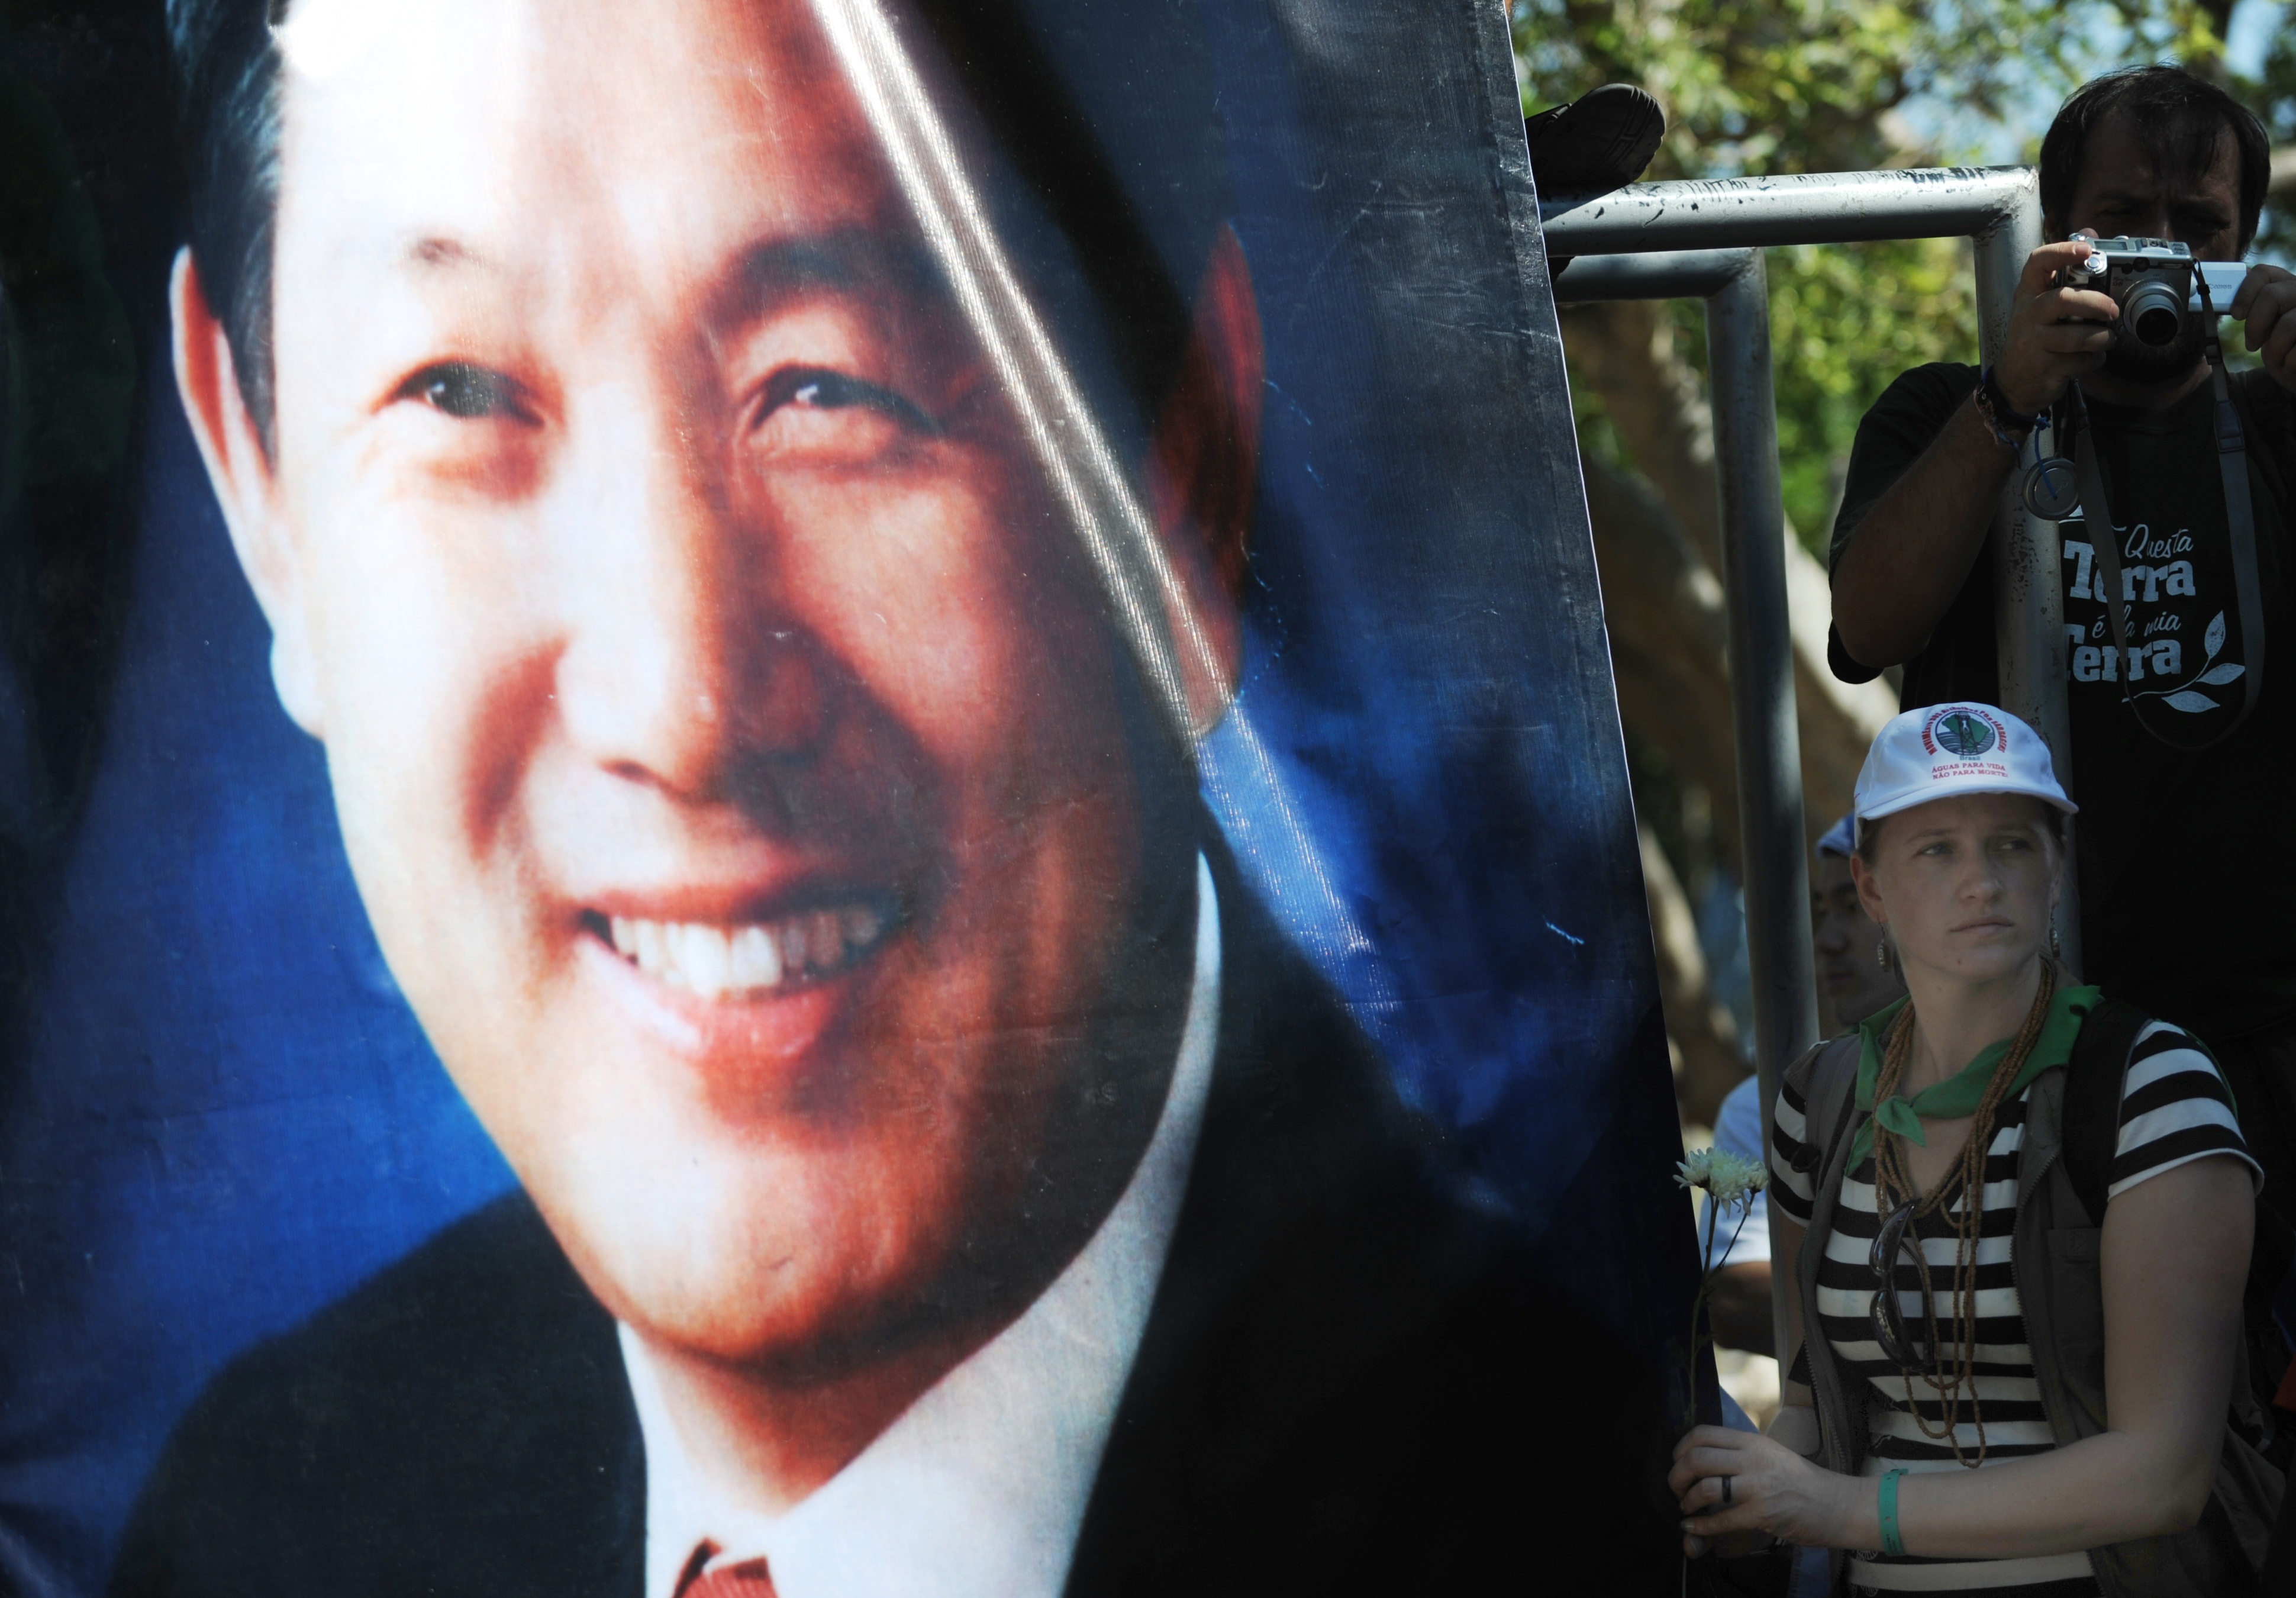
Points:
x=227, y=84
x=1139, y=244
x=2177, y=116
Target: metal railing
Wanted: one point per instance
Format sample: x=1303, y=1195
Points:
x=1998, y=208
x=1735, y=289
x=1703, y=240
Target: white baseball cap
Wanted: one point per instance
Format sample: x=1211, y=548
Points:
x=1941, y=751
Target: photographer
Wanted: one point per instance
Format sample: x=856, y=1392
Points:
x=2182, y=734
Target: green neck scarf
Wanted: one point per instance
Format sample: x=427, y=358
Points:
x=1960, y=1093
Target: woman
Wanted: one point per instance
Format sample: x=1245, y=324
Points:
x=1921, y=1429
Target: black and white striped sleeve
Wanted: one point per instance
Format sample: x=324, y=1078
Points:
x=1791, y=1190
x=2174, y=1109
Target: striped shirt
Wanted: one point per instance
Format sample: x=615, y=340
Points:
x=2174, y=1109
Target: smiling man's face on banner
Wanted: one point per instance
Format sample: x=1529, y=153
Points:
x=734, y=751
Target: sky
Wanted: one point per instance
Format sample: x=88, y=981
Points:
x=2250, y=35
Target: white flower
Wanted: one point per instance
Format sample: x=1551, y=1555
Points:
x=1697, y=1171
x=1730, y=1178
x=1735, y=1179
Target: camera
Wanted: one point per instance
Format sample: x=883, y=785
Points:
x=2156, y=283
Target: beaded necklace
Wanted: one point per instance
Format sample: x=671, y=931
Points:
x=1964, y=1184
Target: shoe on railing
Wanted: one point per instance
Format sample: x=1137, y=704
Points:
x=1599, y=142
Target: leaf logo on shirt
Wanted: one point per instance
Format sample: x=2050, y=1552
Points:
x=2187, y=698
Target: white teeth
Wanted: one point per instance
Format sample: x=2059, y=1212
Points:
x=704, y=958
x=713, y=961
x=756, y=959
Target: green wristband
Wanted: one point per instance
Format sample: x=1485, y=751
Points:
x=1893, y=1543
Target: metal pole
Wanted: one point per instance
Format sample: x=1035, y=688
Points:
x=1766, y=731
x=1761, y=672
x=1807, y=208
x=1767, y=734
x=1658, y=274
x=2028, y=606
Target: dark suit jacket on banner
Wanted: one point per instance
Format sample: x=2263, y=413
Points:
x=1351, y=1382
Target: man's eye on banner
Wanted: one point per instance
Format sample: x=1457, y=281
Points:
x=989, y=767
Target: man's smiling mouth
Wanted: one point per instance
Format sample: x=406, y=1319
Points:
x=713, y=961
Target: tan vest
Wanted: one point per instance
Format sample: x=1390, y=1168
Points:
x=2056, y=1261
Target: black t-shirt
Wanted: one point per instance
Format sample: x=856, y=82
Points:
x=2187, y=862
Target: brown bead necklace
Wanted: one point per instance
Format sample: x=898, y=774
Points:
x=1953, y=1377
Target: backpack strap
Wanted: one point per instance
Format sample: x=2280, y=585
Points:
x=1826, y=1078
x=2091, y=1126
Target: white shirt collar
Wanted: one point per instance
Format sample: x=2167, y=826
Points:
x=978, y=1489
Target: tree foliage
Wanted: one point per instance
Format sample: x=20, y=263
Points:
x=1813, y=85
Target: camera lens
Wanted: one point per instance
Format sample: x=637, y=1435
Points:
x=2154, y=313
x=2157, y=326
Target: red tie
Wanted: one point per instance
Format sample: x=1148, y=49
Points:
x=747, y=1580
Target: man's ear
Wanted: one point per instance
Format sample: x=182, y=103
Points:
x=239, y=469
x=1204, y=478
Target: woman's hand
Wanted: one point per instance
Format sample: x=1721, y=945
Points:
x=1772, y=1490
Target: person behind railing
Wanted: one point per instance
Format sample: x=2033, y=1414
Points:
x=2014, y=1218
x=2181, y=779
x=1855, y=977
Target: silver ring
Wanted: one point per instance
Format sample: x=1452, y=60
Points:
x=1726, y=1499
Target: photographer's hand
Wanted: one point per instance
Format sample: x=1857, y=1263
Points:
x=2056, y=333
x=1911, y=553
x=2267, y=301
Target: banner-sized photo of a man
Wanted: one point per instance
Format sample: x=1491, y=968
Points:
x=938, y=1174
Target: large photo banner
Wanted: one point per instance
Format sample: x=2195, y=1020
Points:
x=808, y=797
